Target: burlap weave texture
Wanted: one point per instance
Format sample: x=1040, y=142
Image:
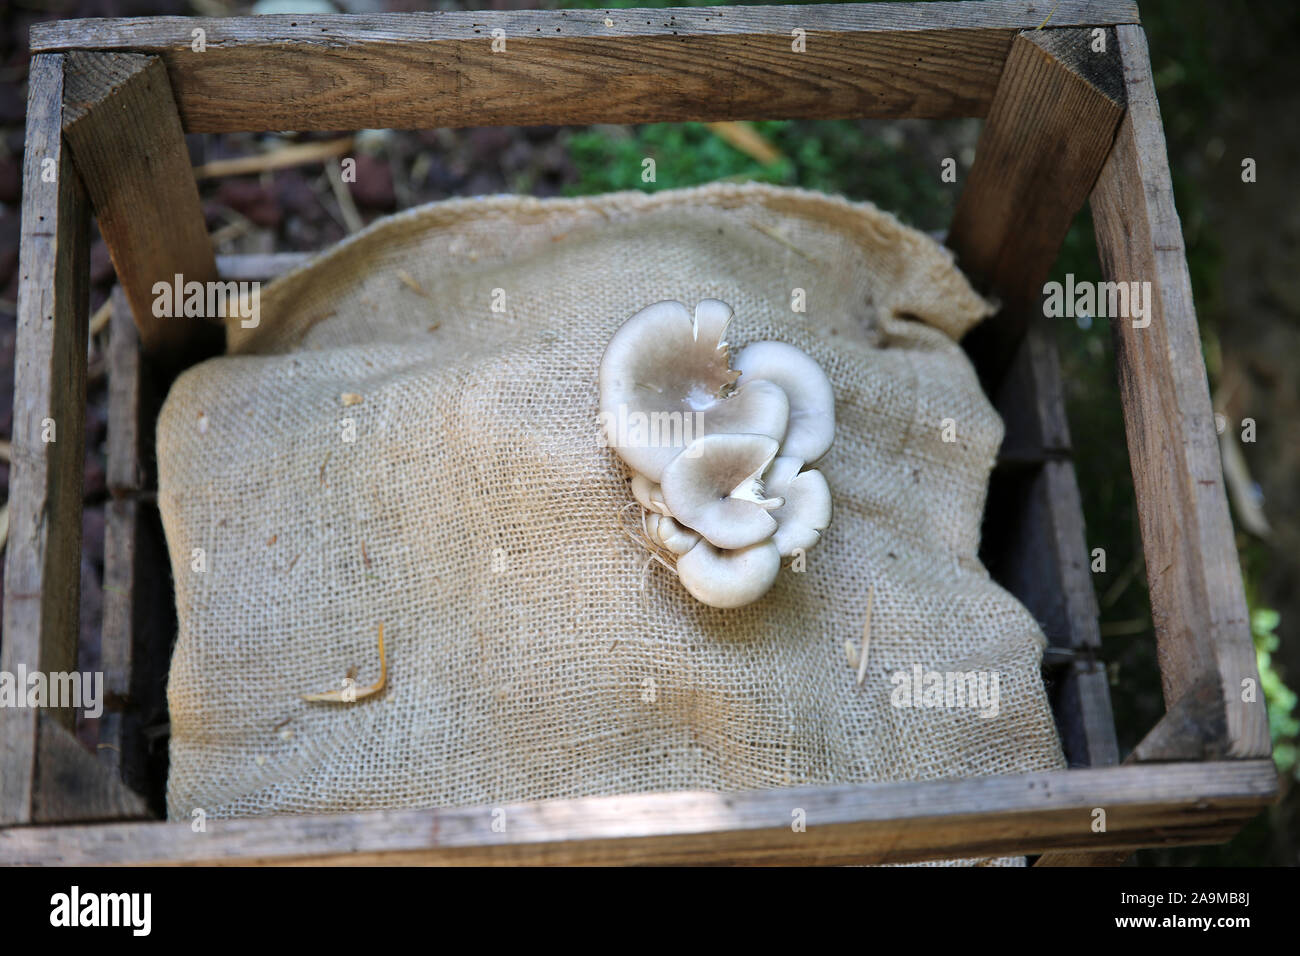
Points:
x=532, y=651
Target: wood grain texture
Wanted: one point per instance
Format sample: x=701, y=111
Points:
x=1194, y=728
x=127, y=424
x=1049, y=130
x=139, y=626
x=72, y=787
x=43, y=563
x=1084, y=858
x=1046, y=137
x=568, y=66
x=125, y=471
x=1197, y=603
x=139, y=606
x=1031, y=402
x=124, y=133
x=870, y=823
x=116, y=629
x=1037, y=528
x=1033, y=545
x=1083, y=691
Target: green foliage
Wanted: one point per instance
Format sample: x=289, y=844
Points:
x=1282, y=720
x=685, y=154
x=841, y=157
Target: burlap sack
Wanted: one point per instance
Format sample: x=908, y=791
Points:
x=533, y=651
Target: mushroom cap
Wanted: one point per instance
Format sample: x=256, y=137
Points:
x=649, y=494
x=811, y=427
x=713, y=488
x=667, y=532
x=729, y=579
x=807, y=509
x=666, y=379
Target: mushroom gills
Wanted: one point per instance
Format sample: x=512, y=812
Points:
x=666, y=379
x=698, y=485
x=806, y=511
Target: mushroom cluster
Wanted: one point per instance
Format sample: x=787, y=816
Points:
x=719, y=454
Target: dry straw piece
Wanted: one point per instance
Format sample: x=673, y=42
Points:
x=522, y=620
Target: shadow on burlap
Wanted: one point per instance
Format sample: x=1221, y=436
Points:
x=533, y=651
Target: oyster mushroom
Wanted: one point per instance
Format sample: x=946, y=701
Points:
x=667, y=532
x=727, y=579
x=649, y=494
x=812, y=400
x=807, y=509
x=714, y=488
x=666, y=380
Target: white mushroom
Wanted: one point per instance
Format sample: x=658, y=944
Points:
x=729, y=579
x=807, y=509
x=667, y=532
x=812, y=400
x=649, y=494
x=666, y=379
x=713, y=487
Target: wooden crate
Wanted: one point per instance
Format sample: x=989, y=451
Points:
x=1065, y=122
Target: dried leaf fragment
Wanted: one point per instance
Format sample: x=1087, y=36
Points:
x=409, y=281
x=866, y=637
x=350, y=695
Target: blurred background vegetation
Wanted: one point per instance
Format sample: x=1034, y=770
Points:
x=1226, y=74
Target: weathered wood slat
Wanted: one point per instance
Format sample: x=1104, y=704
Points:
x=1046, y=137
x=73, y=787
x=126, y=423
x=43, y=564
x=125, y=470
x=139, y=616
x=123, y=130
x=581, y=66
x=1031, y=401
x=139, y=624
x=1197, y=603
x=1084, y=692
x=1084, y=858
x=1194, y=729
x=1152, y=804
x=870, y=823
x=115, y=631
x=1048, y=133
